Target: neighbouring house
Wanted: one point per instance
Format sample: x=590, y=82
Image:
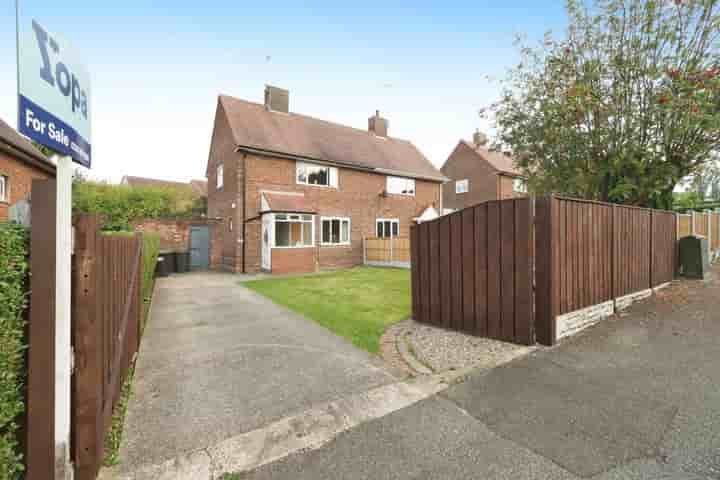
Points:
x=297, y=194
x=478, y=174
x=198, y=187
x=20, y=164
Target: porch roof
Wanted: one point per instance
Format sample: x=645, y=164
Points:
x=286, y=202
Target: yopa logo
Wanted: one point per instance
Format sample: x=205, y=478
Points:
x=57, y=74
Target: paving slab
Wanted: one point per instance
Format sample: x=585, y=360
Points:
x=218, y=360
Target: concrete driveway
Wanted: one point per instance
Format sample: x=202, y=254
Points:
x=218, y=360
x=635, y=397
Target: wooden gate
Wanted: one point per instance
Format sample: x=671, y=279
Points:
x=472, y=271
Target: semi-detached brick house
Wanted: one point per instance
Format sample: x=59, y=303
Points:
x=20, y=163
x=478, y=174
x=298, y=194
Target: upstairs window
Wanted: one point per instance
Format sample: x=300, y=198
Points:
x=4, y=188
x=335, y=231
x=400, y=186
x=321, y=175
x=462, y=186
x=219, y=179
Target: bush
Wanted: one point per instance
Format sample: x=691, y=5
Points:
x=13, y=300
x=121, y=205
x=151, y=249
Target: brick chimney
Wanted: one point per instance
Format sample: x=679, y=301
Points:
x=480, y=139
x=277, y=99
x=378, y=125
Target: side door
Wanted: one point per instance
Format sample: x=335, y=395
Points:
x=199, y=247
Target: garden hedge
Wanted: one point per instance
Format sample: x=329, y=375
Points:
x=13, y=301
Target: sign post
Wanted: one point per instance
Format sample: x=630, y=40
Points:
x=54, y=111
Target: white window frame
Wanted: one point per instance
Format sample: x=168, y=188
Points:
x=332, y=175
x=462, y=186
x=219, y=177
x=392, y=221
x=4, y=188
x=341, y=220
x=405, y=180
x=298, y=219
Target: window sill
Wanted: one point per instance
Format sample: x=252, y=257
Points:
x=330, y=245
x=316, y=186
x=405, y=195
x=294, y=248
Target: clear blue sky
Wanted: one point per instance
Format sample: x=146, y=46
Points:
x=157, y=70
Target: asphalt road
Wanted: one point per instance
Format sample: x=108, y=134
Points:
x=635, y=397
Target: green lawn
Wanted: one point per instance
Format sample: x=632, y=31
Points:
x=358, y=304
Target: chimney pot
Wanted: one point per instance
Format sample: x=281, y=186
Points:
x=479, y=138
x=378, y=125
x=277, y=99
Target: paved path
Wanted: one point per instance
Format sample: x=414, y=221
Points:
x=218, y=360
x=636, y=397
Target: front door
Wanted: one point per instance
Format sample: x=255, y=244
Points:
x=267, y=223
x=199, y=247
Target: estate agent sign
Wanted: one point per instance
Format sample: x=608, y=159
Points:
x=53, y=94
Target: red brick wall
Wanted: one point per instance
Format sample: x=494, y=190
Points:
x=293, y=260
x=175, y=235
x=507, y=188
x=358, y=197
x=464, y=163
x=220, y=201
x=20, y=176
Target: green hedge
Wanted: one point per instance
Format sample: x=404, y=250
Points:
x=121, y=205
x=13, y=300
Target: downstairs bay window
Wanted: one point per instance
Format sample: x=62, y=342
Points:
x=294, y=230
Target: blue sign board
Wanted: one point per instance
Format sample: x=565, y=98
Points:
x=53, y=94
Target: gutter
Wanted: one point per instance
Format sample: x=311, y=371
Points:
x=354, y=166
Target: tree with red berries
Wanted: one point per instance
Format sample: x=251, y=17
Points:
x=621, y=109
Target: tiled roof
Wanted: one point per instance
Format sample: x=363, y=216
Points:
x=280, y=202
x=152, y=182
x=10, y=137
x=254, y=127
x=500, y=161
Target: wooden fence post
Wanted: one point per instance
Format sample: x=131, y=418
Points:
x=545, y=285
x=40, y=412
x=88, y=434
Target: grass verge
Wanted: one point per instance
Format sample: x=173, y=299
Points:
x=114, y=435
x=358, y=303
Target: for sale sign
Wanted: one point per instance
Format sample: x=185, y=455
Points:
x=53, y=94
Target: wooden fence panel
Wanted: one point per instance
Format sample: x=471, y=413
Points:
x=663, y=249
x=684, y=225
x=583, y=240
x=434, y=273
x=701, y=224
x=107, y=306
x=632, y=250
x=485, y=258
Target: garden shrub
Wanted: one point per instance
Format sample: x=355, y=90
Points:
x=121, y=205
x=13, y=301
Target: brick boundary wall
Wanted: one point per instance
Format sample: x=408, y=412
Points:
x=175, y=235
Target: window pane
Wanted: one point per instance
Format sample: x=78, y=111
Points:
x=387, y=228
x=307, y=218
x=345, y=233
x=282, y=234
x=326, y=231
x=307, y=234
x=280, y=217
x=379, y=229
x=3, y=188
x=336, y=231
x=395, y=228
x=295, y=234
x=318, y=176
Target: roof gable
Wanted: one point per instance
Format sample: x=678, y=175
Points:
x=254, y=127
x=499, y=161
